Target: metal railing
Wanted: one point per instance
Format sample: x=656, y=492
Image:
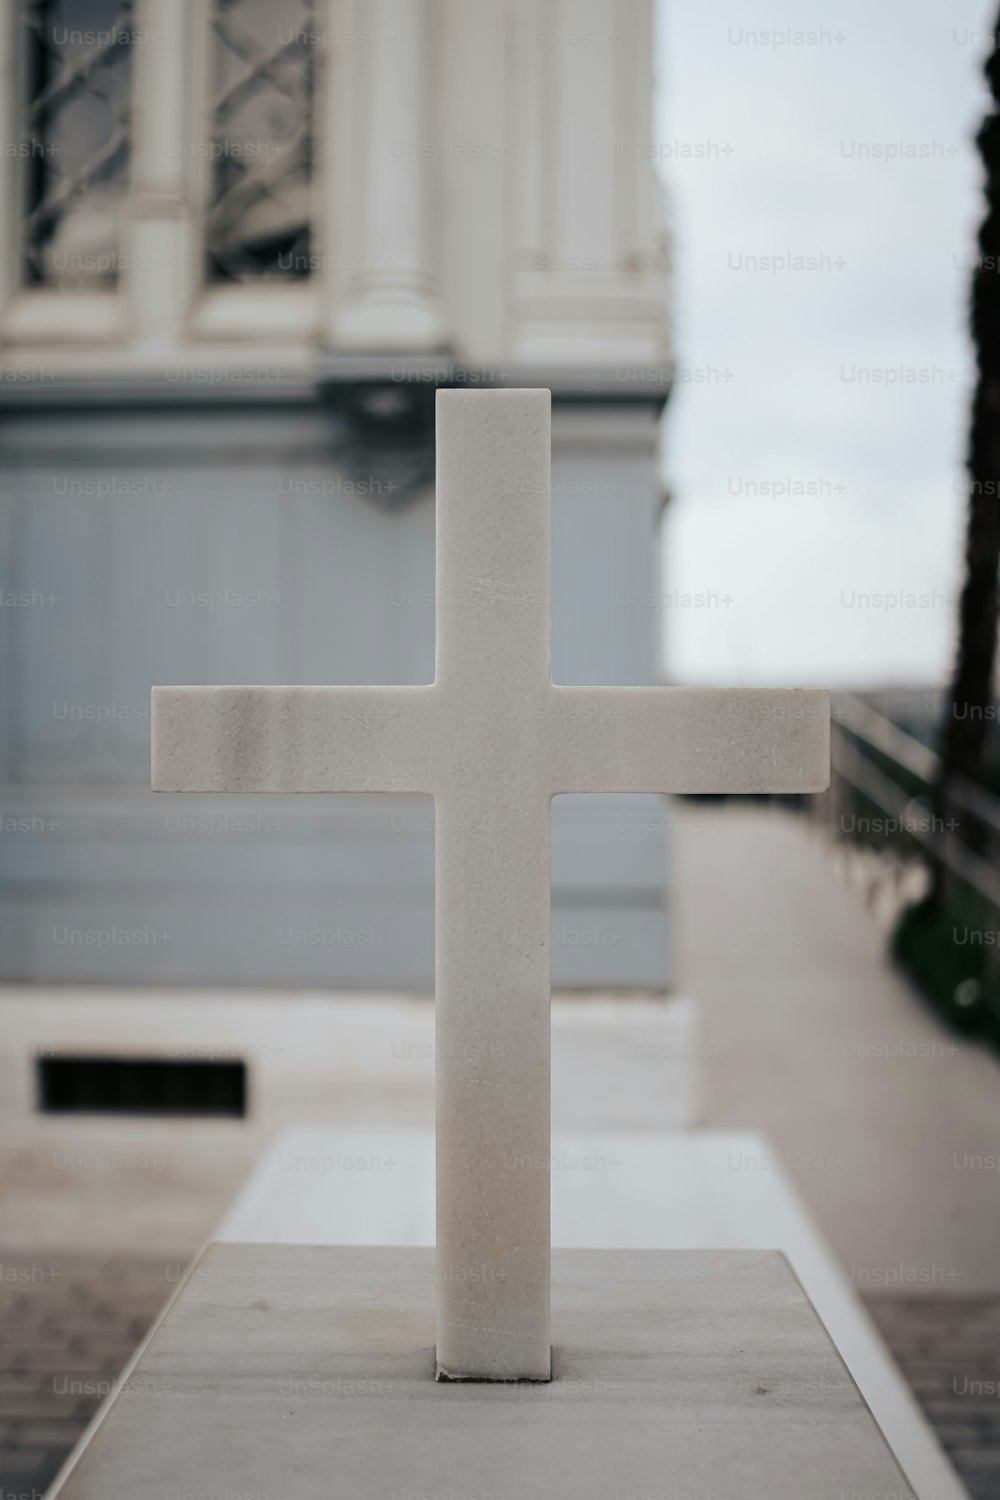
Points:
x=882, y=796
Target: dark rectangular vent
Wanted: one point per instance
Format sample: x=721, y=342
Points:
x=141, y=1086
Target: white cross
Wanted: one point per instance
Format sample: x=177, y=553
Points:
x=493, y=740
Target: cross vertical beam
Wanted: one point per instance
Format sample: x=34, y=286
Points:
x=492, y=983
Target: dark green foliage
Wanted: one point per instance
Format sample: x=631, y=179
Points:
x=947, y=943
x=941, y=946
x=972, y=692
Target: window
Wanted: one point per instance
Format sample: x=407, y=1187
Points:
x=261, y=144
x=73, y=142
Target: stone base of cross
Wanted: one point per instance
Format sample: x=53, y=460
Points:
x=493, y=740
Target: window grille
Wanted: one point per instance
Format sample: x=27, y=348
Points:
x=261, y=143
x=73, y=142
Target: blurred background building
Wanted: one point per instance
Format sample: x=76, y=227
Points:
x=252, y=237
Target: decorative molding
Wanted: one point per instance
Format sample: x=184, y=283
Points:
x=234, y=315
x=44, y=316
x=336, y=382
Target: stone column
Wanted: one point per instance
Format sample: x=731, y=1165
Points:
x=158, y=237
x=588, y=282
x=385, y=290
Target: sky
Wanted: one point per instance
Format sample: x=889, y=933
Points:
x=823, y=195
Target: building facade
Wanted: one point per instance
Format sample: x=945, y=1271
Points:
x=246, y=241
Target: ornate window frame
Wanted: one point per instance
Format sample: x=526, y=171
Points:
x=240, y=312
x=162, y=306
x=38, y=314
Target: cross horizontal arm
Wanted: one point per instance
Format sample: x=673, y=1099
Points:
x=292, y=739
x=638, y=739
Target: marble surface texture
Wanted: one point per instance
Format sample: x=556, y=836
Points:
x=309, y=1371
x=493, y=739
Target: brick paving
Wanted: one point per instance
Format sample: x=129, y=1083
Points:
x=948, y=1347
x=68, y=1325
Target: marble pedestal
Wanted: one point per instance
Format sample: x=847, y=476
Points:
x=308, y=1373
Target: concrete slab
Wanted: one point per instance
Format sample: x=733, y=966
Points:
x=309, y=1371
x=611, y=1190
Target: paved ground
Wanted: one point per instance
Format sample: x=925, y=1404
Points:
x=889, y=1126
x=70, y=1324
x=95, y=1232
x=948, y=1347
x=131, y=1188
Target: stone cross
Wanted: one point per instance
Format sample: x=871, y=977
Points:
x=493, y=740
